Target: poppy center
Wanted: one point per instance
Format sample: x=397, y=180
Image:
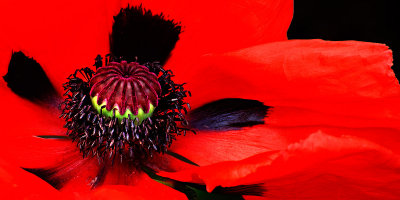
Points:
x=125, y=110
x=125, y=90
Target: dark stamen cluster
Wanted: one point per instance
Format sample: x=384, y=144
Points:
x=110, y=138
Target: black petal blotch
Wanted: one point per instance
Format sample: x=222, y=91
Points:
x=228, y=114
x=26, y=78
x=138, y=34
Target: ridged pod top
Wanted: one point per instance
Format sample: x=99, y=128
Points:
x=125, y=86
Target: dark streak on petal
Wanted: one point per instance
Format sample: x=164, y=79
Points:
x=100, y=177
x=138, y=32
x=254, y=190
x=228, y=114
x=48, y=175
x=198, y=191
x=58, y=175
x=54, y=137
x=181, y=158
x=26, y=78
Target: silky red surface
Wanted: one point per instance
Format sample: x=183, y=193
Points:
x=332, y=134
x=338, y=98
x=319, y=167
x=310, y=73
x=146, y=188
x=16, y=183
x=25, y=120
x=339, y=87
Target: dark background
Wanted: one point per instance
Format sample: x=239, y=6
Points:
x=363, y=20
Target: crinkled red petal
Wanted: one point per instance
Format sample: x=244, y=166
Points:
x=339, y=87
x=320, y=167
x=213, y=146
x=207, y=147
x=296, y=72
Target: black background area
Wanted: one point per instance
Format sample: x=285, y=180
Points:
x=363, y=20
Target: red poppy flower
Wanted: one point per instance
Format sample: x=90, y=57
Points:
x=332, y=131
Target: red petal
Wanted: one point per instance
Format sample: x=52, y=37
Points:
x=227, y=26
x=16, y=183
x=146, y=188
x=339, y=87
x=21, y=121
x=60, y=36
x=375, y=113
x=320, y=167
x=220, y=26
x=21, y=114
x=295, y=72
x=63, y=37
x=214, y=146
